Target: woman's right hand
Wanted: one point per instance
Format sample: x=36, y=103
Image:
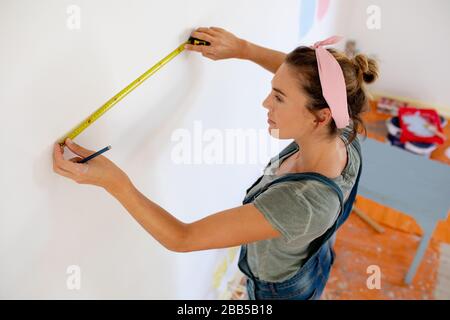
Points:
x=223, y=44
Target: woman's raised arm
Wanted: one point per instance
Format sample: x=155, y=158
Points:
x=225, y=45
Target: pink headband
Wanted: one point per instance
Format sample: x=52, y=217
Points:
x=333, y=82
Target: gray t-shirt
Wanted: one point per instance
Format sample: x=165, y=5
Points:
x=301, y=211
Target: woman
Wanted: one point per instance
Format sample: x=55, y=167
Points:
x=290, y=215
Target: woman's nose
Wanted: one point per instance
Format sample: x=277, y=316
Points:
x=266, y=103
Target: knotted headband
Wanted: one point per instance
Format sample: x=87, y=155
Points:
x=333, y=82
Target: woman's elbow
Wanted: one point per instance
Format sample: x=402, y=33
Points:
x=178, y=247
x=181, y=242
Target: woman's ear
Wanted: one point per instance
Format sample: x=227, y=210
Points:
x=323, y=116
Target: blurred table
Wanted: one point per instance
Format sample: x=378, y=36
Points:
x=409, y=183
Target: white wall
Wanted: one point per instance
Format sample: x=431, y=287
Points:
x=52, y=77
x=412, y=46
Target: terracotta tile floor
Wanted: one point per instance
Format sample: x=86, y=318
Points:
x=442, y=291
x=359, y=246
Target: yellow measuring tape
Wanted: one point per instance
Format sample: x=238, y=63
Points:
x=125, y=91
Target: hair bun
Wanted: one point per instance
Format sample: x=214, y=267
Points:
x=366, y=68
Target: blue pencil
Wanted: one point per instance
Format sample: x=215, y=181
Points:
x=95, y=154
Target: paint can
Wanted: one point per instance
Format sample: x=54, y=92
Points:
x=420, y=148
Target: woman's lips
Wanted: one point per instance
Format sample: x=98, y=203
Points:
x=270, y=121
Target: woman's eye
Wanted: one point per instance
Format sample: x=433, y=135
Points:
x=278, y=98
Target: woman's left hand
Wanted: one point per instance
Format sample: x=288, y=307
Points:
x=99, y=171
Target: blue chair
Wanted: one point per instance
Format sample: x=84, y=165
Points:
x=410, y=183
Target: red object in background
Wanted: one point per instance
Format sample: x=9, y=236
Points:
x=430, y=115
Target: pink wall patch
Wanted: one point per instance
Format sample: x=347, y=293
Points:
x=322, y=8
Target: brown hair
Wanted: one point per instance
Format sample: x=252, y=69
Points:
x=357, y=71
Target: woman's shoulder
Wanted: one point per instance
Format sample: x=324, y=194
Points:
x=355, y=144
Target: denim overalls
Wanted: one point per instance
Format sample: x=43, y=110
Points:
x=308, y=283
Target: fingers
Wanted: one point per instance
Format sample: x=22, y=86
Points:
x=83, y=168
x=62, y=172
x=217, y=29
x=203, y=36
x=209, y=31
x=75, y=148
x=206, y=51
x=214, y=36
x=58, y=160
x=57, y=153
x=194, y=47
x=64, y=167
x=210, y=55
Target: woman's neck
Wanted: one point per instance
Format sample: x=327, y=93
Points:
x=321, y=155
